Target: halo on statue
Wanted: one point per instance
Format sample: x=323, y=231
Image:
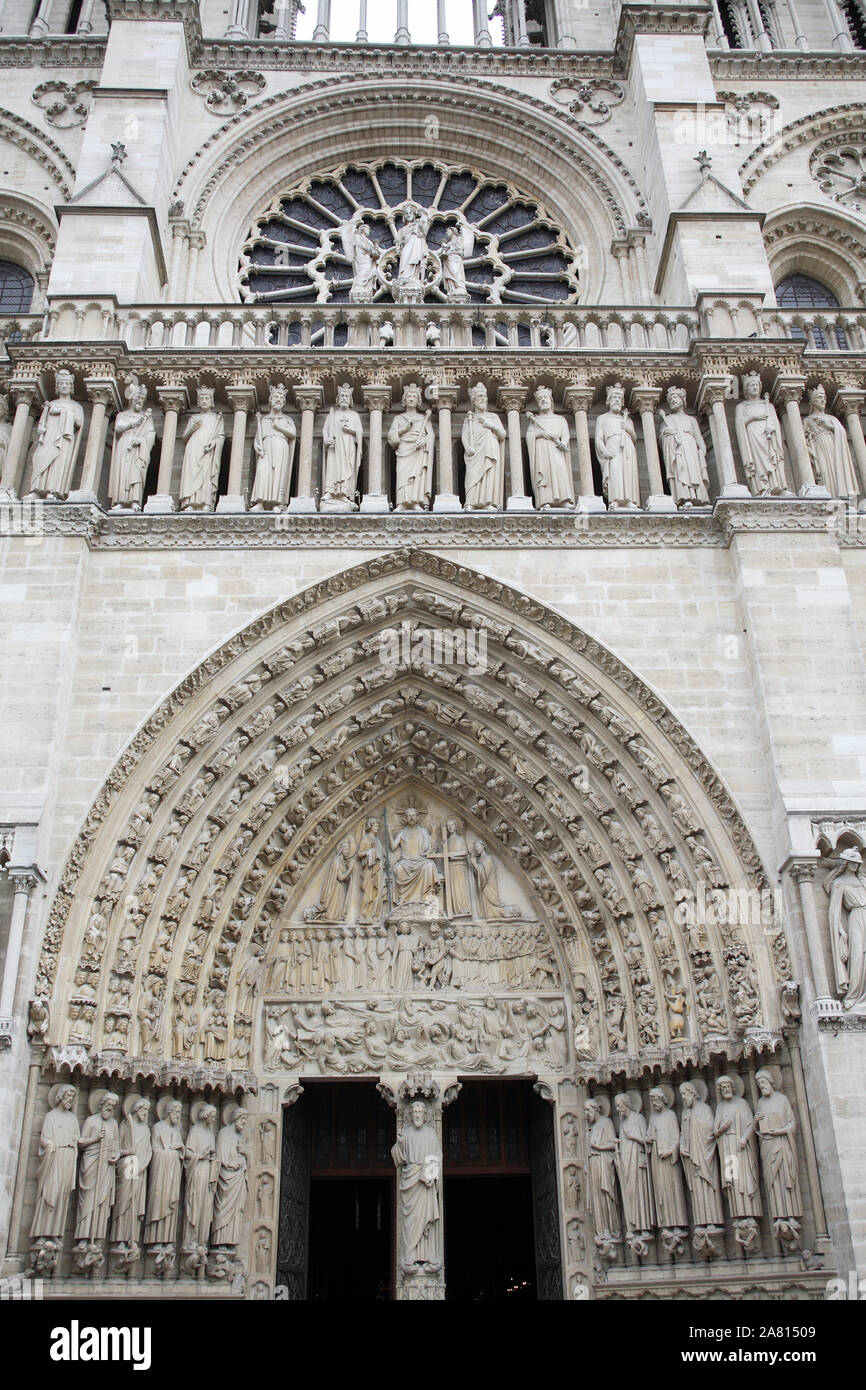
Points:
x=131, y=1101
x=698, y=1085
x=57, y=1091
x=736, y=1081
x=665, y=1091
x=230, y=1111
x=96, y=1098
x=602, y=1100
x=635, y=1100
x=196, y=1109
x=773, y=1074
x=164, y=1104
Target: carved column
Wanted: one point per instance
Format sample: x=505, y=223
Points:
x=519, y=12
x=25, y=397
x=362, y=36
x=178, y=260
x=480, y=26
x=442, y=22
x=377, y=399
x=841, y=37
x=445, y=399
x=402, y=35
x=85, y=18
x=757, y=22
x=512, y=400
x=173, y=399
x=242, y=396
x=567, y=1227
x=644, y=399
x=787, y=391
x=322, y=31
x=40, y=23
x=803, y=874
x=850, y=403
x=104, y=396
x=578, y=399
x=23, y=883
x=239, y=25
x=196, y=242
x=309, y=397
x=712, y=394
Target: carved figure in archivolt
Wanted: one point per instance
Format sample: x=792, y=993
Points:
x=734, y=1128
x=204, y=435
x=616, y=448
x=134, y=438
x=342, y=440
x=632, y=1166
x=230, y=1198
x=136, y=1151
x=759, y=436
x=371, y=857
x=549, y=448
x=847, y=888
x=828, y=446
x=58, y=1159
x=483, y=439
x=684, y=452
x=413, y=870
x=413, y=441
x=58, y=439
x=601, y=1165
x=201, y=1168
x=417, y=1157
x=777, y=1136
x=100, y=1150
x=274, y=450
x=663, y=1144
x=166, y=1166
x=698, y=1151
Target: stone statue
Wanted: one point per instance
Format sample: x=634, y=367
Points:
x=336, y=882
x=777, y=1136
x=55, y=1176
x=412, y=439
x=413, y=870
x=759, y=436
x=364, y=253
x=698, y=1152
x=487, y=879
x=136, y=1150
x=230, y=1198
x=58, y=439
x=274, y=449
x=5, y=431
x=342, y=438
x=632, y=1166
x=663, y=1145
x=549, y=447
x=371, y=857
x=134, y=438
x=163, y=1188
x=411, y=242
x=99, y=1143
x=601, y=1165
x=827, y=442
x=201, y=1168
x=458, y=244
x=847, y=888
x=483, y=440
x=457, y=870
x=734, y=1128
x=616, y=448
x=205, y=434
x=417, y=1156
x=684, y=452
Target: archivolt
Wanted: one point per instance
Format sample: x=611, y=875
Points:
x=248, y=773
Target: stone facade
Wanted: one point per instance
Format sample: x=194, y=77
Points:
x=510, y=726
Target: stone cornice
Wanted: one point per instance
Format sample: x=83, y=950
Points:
x=366, y=60
x=748, y=65
x=656, y=19
x=54, y=51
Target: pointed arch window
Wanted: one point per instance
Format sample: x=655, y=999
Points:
x=803, y=292
x=16, y=289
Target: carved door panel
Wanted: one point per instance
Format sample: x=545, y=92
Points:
x=545, y=1200
x=292, y=1256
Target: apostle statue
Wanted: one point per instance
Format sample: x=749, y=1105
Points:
x=698, y=1152
x=274, y=449
x=201, y=1168
x=5, y=431
x=847, y=888
x=417, y=1157
x=457, y=870
x=136, y=1150
x=55, y=1176
x=58, y=439
x=777, y=1137
x=230, y=1198
x=759, y=436
x=828, y=447
x=459, y=243
x=342, y=437
x=412, y=439
x=601, y=1164
x=549, y=448
x=163, y=1188
x=336, y=881
x=205, y=434
x=371, y=857
x=134, y=438
x=663, y=1145
x=632, y=1166
x=413, y=868
x=364, y=253
x=616, y=449
x=99, y=1144
x=483, y=440
x=734, y=1128
x=411, y=242
x=684, y=452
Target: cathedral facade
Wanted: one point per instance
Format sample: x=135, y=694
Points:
x=434, y=583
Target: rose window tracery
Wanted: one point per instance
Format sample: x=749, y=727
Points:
x=407, y=232
x=839, y=169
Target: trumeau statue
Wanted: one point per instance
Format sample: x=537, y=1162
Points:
x=136, y=1151
x=55, y=1177
x=230, y=1198
x=205, y=434
x=684, y=452
x=364, y=253
x=134, y=438
x=734, y=1128
x=413, y=441
x=549, y=447
x=847, y=888
x=163, y=1187
x=58, y=439
x=342, y=438
x=483, y=440
x=759, y=436
x=827, y=442
x=274, y=449
x=616, y=448
x=99, y=1143
x=601, y=1163
x=417, y=1157
x=777, y=1137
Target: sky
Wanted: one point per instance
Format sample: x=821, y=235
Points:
x=382, y=21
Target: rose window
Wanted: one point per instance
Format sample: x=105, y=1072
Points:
x=840, y=172
x=407, y=233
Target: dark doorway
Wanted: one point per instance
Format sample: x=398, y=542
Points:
x=351, y=1239
x=489, y=1240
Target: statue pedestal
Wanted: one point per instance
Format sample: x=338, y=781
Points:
x=160, y=502
x=337, y=505
x=735, y=490
x=520, y=504
x=375, y=502
x=231, y=504
x=302, y=504
x=591, y=503
x=815, y=492
x=660, y=502
x=84, y=494
x=447, y=502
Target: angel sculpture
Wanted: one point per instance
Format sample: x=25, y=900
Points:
x=364, y=253
x=459, y=244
